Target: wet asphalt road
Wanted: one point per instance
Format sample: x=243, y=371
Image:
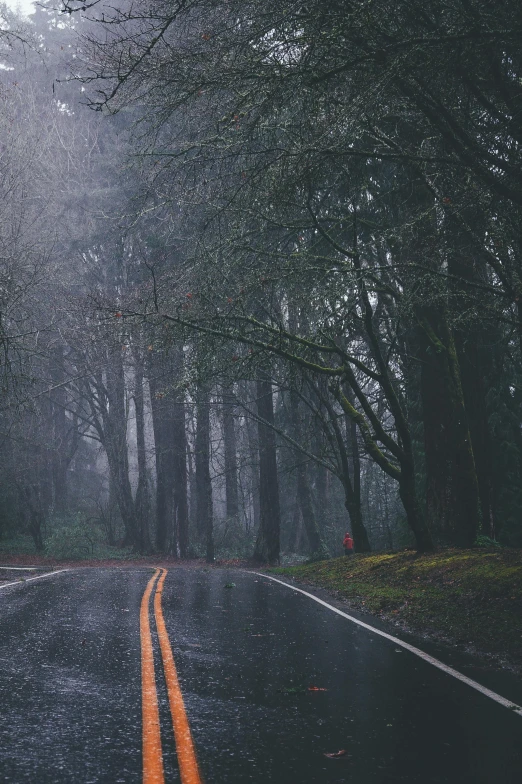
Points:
x=70, y=689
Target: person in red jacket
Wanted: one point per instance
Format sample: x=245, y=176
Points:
x=348, y=544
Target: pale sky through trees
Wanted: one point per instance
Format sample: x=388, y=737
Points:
x=25, y=6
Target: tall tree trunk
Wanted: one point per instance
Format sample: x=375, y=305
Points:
x=267, y=548
x=33, y=514
x=351, y=431
x=414, y=516
x=179, y=433
x=163, y=441
x=204, y=505
x=61, y=456
x=253, y=450
x=191, y=470
x=112, y=514
x=296, y=528
x=320, y=472
x=453, y=501
x=452, y=490
x=230, y=450
x=142, y=500
x=476, y=371
x=466, y=265
x=115, y=427
x=318, y=549
x=353, y=486
x=352, y=501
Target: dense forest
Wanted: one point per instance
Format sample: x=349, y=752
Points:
x=260, y=276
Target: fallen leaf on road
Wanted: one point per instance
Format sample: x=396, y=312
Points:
x=317, y=688
x=230, y=585
x=336, y=754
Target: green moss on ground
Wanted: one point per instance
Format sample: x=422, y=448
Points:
x=469, y=597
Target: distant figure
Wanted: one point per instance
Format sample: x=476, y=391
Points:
x=348, y=544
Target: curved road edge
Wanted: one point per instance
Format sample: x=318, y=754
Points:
x=509, y=704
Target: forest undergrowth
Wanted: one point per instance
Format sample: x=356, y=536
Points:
x=469, y=598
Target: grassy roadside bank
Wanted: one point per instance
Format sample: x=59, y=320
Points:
x=472, y=598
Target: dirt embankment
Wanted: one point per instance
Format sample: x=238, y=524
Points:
x=472, y=598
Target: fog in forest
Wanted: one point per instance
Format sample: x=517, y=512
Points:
x=260, y=278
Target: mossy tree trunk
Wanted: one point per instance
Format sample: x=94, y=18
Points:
x=453, y=499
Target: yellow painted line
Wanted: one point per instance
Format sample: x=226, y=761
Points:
x=188, y=764
x=152, y=755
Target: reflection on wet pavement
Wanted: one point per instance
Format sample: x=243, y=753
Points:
x=246, y=657
x=255, y=719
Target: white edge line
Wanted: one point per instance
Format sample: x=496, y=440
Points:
x=513, y=707
x=28, y=580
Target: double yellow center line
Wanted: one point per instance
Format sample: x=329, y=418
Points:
x=153, y=772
